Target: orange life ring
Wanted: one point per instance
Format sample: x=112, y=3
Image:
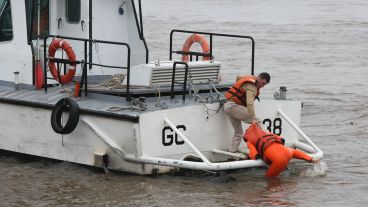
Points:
x=192, y=39
x=56, y=44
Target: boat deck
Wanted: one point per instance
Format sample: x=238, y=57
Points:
x=107, y=101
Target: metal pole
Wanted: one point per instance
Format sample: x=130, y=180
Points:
x=84, y=74
x=128, y=98
x=185, y=80
x=90, y=35
x=173, y=82
x=44, y=63
x=165, y=161
x=319, y=152
x=253, y=48
x=173, y=127
x=170, y=52
x=140, y=18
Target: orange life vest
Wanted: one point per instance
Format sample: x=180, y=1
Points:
x=260, y=139
x=237, y=93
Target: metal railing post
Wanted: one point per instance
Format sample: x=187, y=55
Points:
x=90, y=41
x=173, y=79
x=211, y=45
x=186, y=140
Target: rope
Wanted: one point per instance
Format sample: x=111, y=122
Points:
x=115, y=81
x=195, y=92
x=158, y=100
x=217, y=91
x=208, y=110
x=118, y=108
x=135, y=105
x=97, y=48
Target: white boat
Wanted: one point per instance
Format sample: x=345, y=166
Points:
x=129, y=114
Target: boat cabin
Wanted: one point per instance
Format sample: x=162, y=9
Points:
x=24, y=24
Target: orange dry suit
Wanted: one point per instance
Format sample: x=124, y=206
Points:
x=237, y=93
x=270, y=148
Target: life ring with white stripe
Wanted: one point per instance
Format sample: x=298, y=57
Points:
x=198, y=39
x=64, y=45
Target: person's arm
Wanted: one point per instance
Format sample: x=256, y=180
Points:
x=301, y=155
x=251, y=92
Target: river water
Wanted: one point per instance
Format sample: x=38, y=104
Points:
x=318, y=49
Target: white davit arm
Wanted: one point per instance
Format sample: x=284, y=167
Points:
x=318, y=153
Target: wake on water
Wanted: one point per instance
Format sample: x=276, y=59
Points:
x=319, y=169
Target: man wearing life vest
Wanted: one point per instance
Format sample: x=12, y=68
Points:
x=240, y=104
x=270, y=148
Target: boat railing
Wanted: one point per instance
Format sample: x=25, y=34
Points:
x=173, y=78
x=211, y=35
x=85, y=61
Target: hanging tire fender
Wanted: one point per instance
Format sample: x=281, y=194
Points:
x=65, y=104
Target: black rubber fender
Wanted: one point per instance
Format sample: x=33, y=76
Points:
x=63, y=105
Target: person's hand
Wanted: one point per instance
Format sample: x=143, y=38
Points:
x=258, y=122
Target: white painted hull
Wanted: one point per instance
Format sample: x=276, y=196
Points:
x=27, y=130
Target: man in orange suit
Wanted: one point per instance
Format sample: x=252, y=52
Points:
x=270, y=148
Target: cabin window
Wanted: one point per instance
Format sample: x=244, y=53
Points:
x=32, y=18
x=6, y=26
x=73, y=11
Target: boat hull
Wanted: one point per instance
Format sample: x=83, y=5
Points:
x=27, y=129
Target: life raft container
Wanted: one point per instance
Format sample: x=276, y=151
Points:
x=55, y=45
x=71, y=123
x=198, y=39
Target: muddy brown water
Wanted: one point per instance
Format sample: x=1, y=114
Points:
x=318, y=49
